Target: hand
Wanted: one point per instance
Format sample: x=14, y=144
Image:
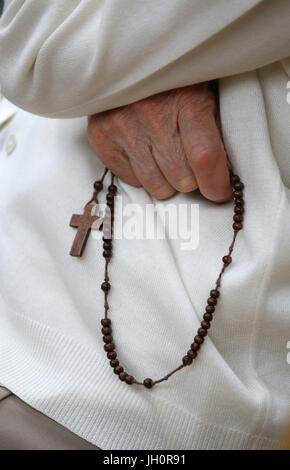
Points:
x=166, y=143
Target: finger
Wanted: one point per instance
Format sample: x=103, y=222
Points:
x=171, y=159
x=148, y=173
x=161, y=129
x=111, y=155
x=206, y=155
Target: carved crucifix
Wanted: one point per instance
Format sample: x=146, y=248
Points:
x=84, y=223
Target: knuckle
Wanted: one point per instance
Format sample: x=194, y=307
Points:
x=203, y=157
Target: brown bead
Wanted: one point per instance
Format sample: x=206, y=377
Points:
x=106, y=322
x=235, y=179
x=238, y=194
x=110, y=197
x=148, y=383
x=130, y=379
x=106, y=286
x=111, y=355
x=122, y=376
x=192, y=354
x=195, y=346
x=227, y=259
x=211, y=301
x=238, y=218
x=239, y=202
x=237, y=226
x=205, y=325
x=118, y=370
x=210, y=309
x=239, y=210
x=112, y=188
x=107, y=339
x=186, y=360
x=107, y=245
x=98, y=185
x=198, y=339
x=106, y=330
x=109, y=347
x=214, y=293
x=114, y=363
x=107, y=254
x=239, y=186
x=202, y=332
x=208, y=317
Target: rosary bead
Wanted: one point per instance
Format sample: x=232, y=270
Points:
x=110, y=197
x=148, y=383
x=106, y=286
x=111, y=355
x=130, y=379
x=195, y=346
x=107, y=254
x=112, y=188
x=209, y=309
x=238, y=218
x=107, y=339
x=211, y=301
x=208, y=317
x=205, y=325
x=239, y=202
x=198, y=339
x=186, y=360
x=238, y=194
x=106, y=322
x=118, y=370
x=107, y=245
x=239, y=209
x=237, y=226
x=235, y=179
x=114, y=363
x=239, y=186
x=214, y=293
x=227, y=259
x=106, y=330
x=202, y=332
x=98, y=185
x=192, y=354
x=122, y=376
x=109, y=347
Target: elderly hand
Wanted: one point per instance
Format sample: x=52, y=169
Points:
x=166, y=143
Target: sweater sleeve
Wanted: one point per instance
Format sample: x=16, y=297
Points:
x=73, y=58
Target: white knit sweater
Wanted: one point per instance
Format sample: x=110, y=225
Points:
x=236, y=394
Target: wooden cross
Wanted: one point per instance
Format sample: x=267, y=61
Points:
x=84, y=224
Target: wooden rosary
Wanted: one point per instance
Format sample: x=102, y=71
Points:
x=87, y=221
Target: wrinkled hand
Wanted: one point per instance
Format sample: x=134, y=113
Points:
x=166, y=143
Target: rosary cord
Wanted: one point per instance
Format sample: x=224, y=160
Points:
x=98, y=186
x=202, y=332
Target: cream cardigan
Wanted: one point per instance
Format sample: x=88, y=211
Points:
x=72, y=58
